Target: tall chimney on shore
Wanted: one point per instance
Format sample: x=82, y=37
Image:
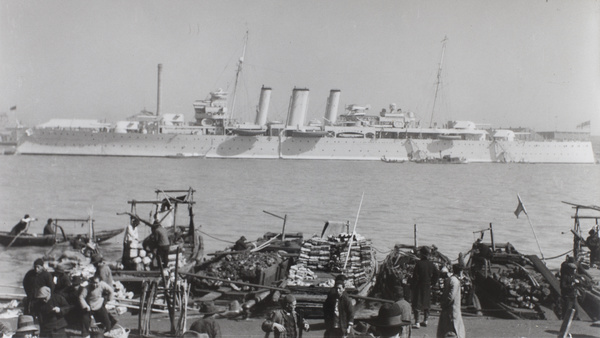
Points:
x=158, y=90
x=332, y=107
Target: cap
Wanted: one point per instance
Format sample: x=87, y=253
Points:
x=209, y=308
x=37, y=262
x=43, y=292
x=25, y=324
x=288, y=299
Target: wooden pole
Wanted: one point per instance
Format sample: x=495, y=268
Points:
x=415, y=235
x=353, y=231
x=492, y=238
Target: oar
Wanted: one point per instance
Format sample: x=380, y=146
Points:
x=14, y=239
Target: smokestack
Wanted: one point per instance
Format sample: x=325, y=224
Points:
x=332, y=106
x=298, y=107
x=158, y=90
x=263, y=106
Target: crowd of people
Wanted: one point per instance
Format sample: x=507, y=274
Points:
x=56, y=301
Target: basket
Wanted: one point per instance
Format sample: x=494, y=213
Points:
x=117, y=332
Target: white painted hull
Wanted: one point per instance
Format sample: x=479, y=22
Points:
x=53, y=142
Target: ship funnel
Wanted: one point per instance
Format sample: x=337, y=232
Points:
x=158, y=90
x=263, y=106
x=332, y=106
x=298, y=107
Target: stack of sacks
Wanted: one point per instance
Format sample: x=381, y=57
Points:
x=298, y=274
x=173, y=257
x=140, y=257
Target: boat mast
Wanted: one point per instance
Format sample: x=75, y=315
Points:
x=439, y=76
x=237, y=76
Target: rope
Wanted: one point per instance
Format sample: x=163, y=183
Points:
x=218, y=239
x=560, y=255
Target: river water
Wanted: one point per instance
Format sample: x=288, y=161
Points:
x=447, y=202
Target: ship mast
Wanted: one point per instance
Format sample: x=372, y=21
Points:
x=237, y=76
x=439, y=77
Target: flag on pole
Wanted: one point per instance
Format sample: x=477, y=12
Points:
x=583, y=124
x=520, y=207
x=13, y=108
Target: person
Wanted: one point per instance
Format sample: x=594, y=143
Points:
x=92, y=299
x=568, y=290
x=130, y=241
x=451, y=316
x=34, y=279
x=424, y=275
x=338, y=312
x=61, y=279
x=593, y=243
x=26, y=327
x=405, y=310
x=22, y=226
x=207, y=324
x=388, y=322
x=49, y=229
x=161, y=243
x=241, y=245
x=102, y=269
x=286, y=322
x=71, y=295
x=50, y=310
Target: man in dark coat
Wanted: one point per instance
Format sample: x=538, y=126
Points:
x=424, y=275
x=338, y=312
x=48, y=228
x=286, y=322
x=568, y=288
x=206, y=325
x=50, y=310
x=593, y=243
x=34, y=279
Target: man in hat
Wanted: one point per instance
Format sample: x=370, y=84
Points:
x=92, y=299
x=34, y=279
x=48, y=228
x=338, y=312
x=388, y=322
x=22, y=226
x=207, y=324
x=568, y=289
x=61, y=279
x=50, y=310
x=424, y=275
x=593, y=243
x=71, y=295
x=102, y=269
x=26, y=328
x=286, y=322
x=451, y=316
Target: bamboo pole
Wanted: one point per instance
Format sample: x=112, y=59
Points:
x=353, y=231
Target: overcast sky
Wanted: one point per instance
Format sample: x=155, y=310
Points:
x=529, y=63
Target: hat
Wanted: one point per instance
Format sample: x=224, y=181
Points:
x=25, y=324
x=60, y=268
x=37, y=262
x=572, y=266
x=96, y=258
x=425, y=251
x=43, y=292
x=288, y=299
x=76, y=280
x=209, y=308
x=390, y=315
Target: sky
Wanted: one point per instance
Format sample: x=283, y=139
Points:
x=517, y=63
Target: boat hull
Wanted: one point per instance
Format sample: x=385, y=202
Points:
x=49, y=240
x=86, y=143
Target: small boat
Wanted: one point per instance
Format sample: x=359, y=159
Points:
x=446, y=159
x=249, y=132
x=309, y=133
x=391, y=160
x=512, y=285
x=28, y=239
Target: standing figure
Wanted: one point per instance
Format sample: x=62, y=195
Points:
x=286, y=322
x=34, y=279
x=22, y=226
x=61, y=279
x=130, y=241
x=451, y=316
x=338, y=312
x=161, y=243
x=241, y=245
x=405, y=311
x=424, y=275
x=568, y=290
x=593, y=243
x=92, y=299
x=50, y=310
x=71, y=295
x=206, y=325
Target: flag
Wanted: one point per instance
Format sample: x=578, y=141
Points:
x=583, y=124
x=520, y=207
x=13, y=108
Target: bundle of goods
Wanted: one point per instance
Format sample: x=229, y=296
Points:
x=143, y=259
x=245, y=266
x=522, y=288
x=331, y=255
